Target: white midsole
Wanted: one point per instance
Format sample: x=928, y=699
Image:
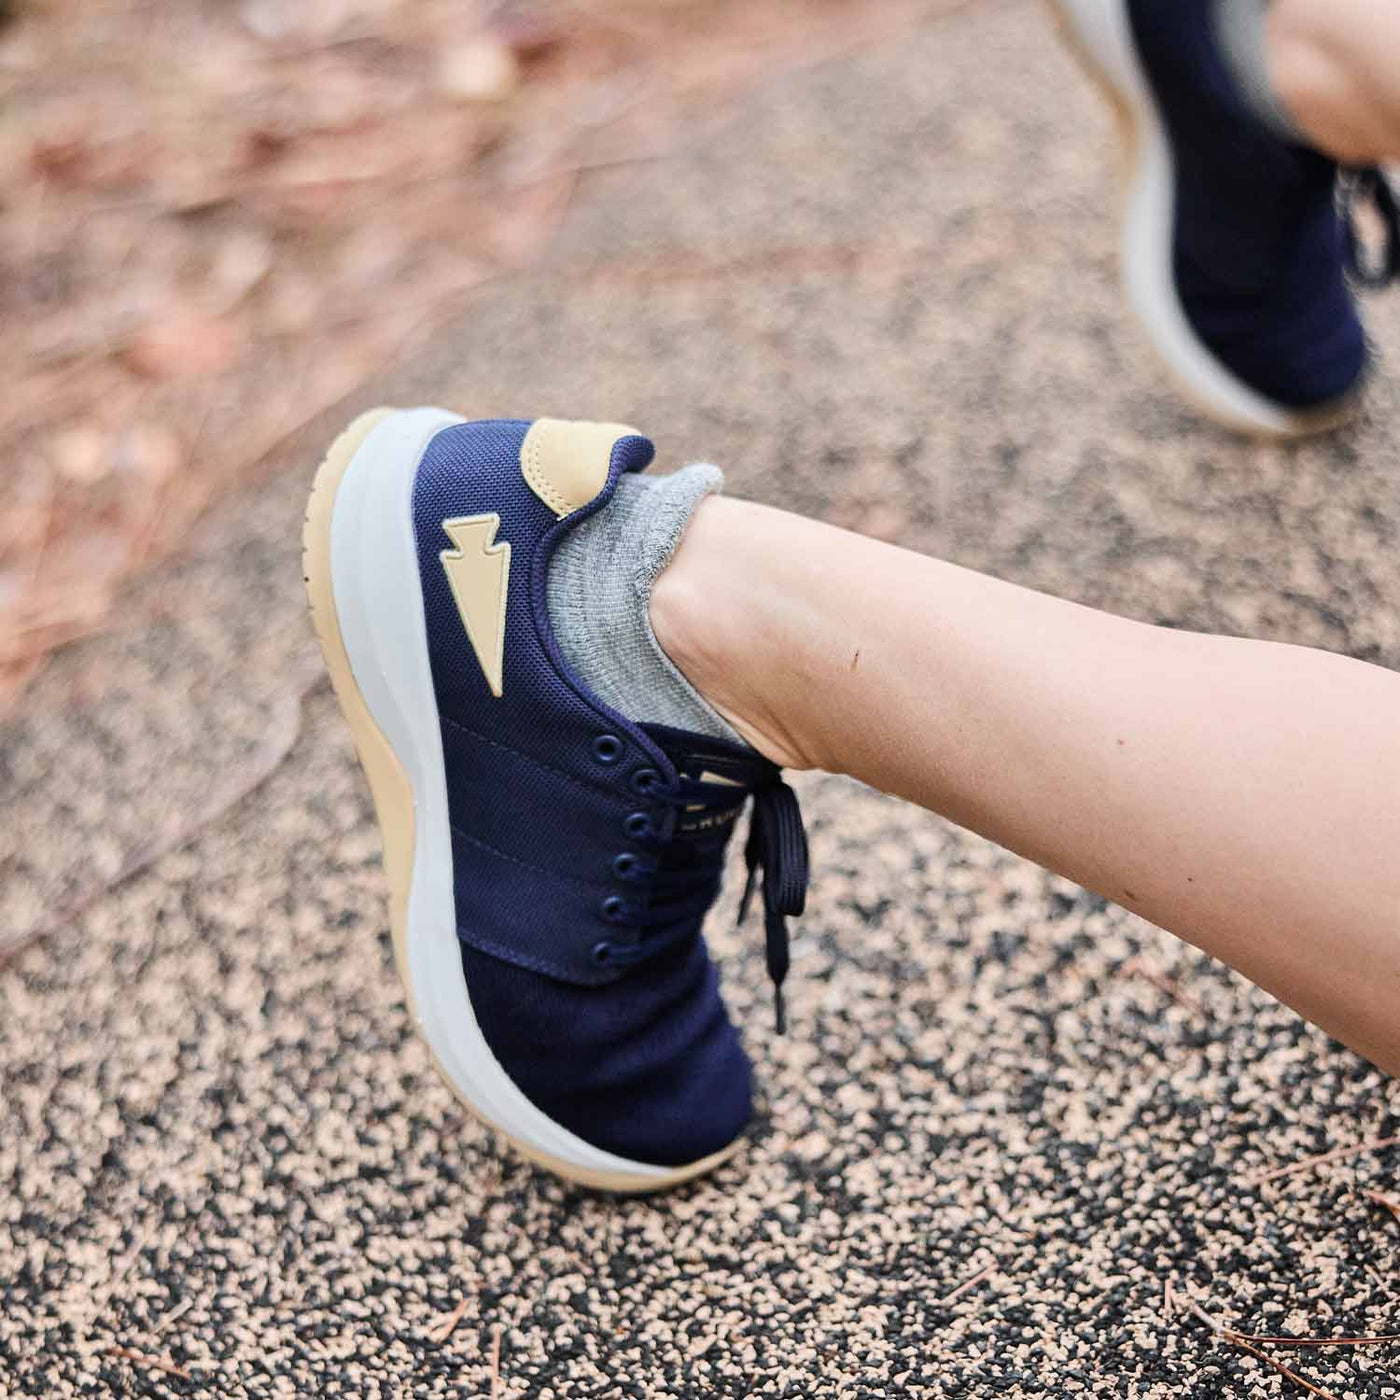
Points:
x=1103, y=29
x=379, y=606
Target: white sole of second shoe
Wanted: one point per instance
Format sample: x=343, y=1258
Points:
x=360, y=562
x=1099, y=33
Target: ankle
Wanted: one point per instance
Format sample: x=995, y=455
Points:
x=1313, y=84
x=706, y=611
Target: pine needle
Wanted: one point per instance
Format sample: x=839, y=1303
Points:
x=1167, y=986
x=1251, y=1344
x=283, y=731
x=450, y=1325
x=969, y=1284
x=1336, y=1156
x=1282, y=1369
x=1385, y=1202
x=496, y=1362
x=154, y=1362
x=1314, y=1341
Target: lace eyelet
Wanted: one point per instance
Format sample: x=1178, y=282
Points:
x=638, y=825
x=601, y=955
x=624, y=865
x=607, y=748
x=645, y=780
x=613, y=908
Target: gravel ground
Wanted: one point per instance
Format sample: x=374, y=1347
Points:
x=1006, y=1113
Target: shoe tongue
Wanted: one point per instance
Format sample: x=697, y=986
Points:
x=727, y=771
x=709, y=759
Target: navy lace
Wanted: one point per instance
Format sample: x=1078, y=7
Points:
x=777, y=846
x=679, y=876
x=1367, y=187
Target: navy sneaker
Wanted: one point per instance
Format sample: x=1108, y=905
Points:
x=550, y=862
x=1234, y=251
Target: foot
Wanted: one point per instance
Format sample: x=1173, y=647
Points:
x=1234, y=253
x=550, y=861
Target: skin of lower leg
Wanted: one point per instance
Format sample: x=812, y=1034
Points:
x=1335, y=67
x=1244, y=795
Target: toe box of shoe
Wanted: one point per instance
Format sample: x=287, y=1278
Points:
x=1291, y=334
x=649, y=1067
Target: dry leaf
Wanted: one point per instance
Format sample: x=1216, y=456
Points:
x=186, y=342
x=531, y=32
x=241, y=261
x=194, y=278
x=80, y=454
x=484, y=70
x=150, y=451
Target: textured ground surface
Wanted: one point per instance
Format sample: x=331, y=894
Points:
x=885, y=295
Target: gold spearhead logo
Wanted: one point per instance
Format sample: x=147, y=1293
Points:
x=479, y=573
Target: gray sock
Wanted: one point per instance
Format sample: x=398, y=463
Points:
x=1239, y=35
x=599, y=591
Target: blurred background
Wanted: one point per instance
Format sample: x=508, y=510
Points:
x=220, y=218
x=862, y=254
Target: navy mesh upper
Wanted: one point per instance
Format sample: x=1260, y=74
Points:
x=1259, y=245
x=640, y=1060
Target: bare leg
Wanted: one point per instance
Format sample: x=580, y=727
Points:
x=1335, y=66
x=1244, y=795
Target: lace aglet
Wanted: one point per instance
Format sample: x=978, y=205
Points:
x=779, y=1011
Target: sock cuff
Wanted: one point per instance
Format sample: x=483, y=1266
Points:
x=673, y=500
x=599, y=597
x=1239, y=30
x=670, y=503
